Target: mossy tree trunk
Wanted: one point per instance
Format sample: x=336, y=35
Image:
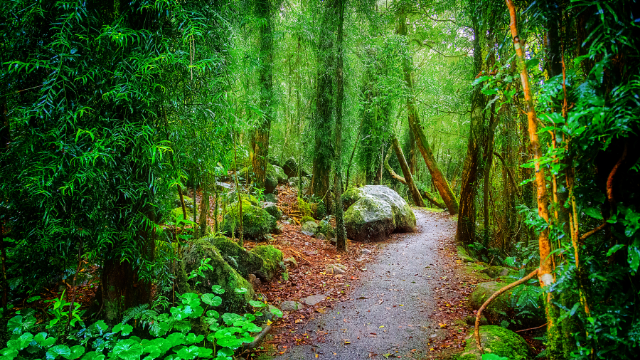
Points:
x=260, y=137
x=415, y=193
x=341, y=236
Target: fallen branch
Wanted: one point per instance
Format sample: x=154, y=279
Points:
x=533, y=328
x=402, y=180
x=476, y=331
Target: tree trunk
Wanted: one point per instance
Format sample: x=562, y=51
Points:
x=260, y=138
x=323, y=153
x=545, y=273
x=341, y=236
x=421, y=141
x=488, y=157
x=415, y=193
x=5, y=138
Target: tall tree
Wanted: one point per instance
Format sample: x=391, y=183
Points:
x=414, y=122
x=341, y=236
x=260, y=137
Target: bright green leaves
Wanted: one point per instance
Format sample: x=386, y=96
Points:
x=18, y=324
x=634, y=256
x=211, y=300
x=124, y=329
x=128, y=349
x=257, y=304
x=21, y=342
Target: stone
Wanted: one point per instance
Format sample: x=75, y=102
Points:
x=463, y=255
x=376, y=212
x=270, y=198
x=495, y=271
x=333, y=240
x=243, y=261
x=278, y=230
x=290, y=306
x=326, y=229
x=293, y=182
x=496, y=340
x=309, y=228
x=273, y=210
x=365, y=251
x=313, y=299
x=290, y=167
x=270, y=184
x=320, y=237
x=271, y=258
x=335, y=269
x=350, y=196
x=221, y=273
x=254, y=281
x=277, y=173
x=224, y=187
x=256, y=222
x=291, y=261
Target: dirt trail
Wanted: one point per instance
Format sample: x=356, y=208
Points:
x=389, y=315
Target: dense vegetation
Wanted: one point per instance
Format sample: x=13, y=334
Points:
x=520, y=117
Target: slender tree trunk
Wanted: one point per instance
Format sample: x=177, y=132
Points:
x=341, y=236
x=260, y=138
x=204, y=207
x=323, y=154
x=487, y=173
x=5, y=138
x=415, y=193
x=421, y=141
x=466, y=230
x=545, y=273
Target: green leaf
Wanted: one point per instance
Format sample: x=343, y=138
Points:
x=594, y=213
x=59, y=350
x=493, y=357
x=240, y=290
x=634, y=256
x=211, y=300
x=257, y=304
x=93, y=355
x=76, y=352
x=188, y=353
x=192, y=338
x=615, y=248
x=217, y=289
x=275, y=311
x=128, y=349
x=212, y=313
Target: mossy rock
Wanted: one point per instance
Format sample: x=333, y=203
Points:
x=246, y=198
x=369, y=219
x=277, y=173
x=256, y=222
x=495, y=271
x=290, y=167
x=272, y=258
x=496, y=340
x=350, y=197
x=326, y=229
x=499, y=308
x=306, y=219
x=221, y=274
x=271, y=198
x=463, y=255
x=309, y=227
x=188, y=201
x=273, y=210
x=243, y=261
x=293, y=182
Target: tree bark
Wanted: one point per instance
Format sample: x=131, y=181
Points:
x=421, y=141
x=466, y=230
x=415, y=193
x=401, y=179
x=488, y=156
x=260, y=138
x=341, y=236
x=545, y=273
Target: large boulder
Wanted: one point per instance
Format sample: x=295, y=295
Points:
x=273, y=210
x=219, y=273
x=290, y=168
x=376, y=211
x=243, y=261
x=369, y=219
x=496, y=340
x=272, y=261
x=256, y=222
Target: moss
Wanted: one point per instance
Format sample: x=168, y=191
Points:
x=221, y=274
x=256, y=222
x=307, y=219
x=243, y=261
x=177, y=213
x=274, y=211
x=350, y=196
x=276, y=173
x=369, y=219
x=499, y=341
x=326, y=229
x=304, y=207
x=271, y=258
x=499, y=307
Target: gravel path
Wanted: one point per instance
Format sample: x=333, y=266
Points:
x=389, y=314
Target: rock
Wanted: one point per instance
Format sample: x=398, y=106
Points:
x=221, y=274
x=350, y=196
x=291, y=261
x=471, y=320
x=293, y=182
x=463, y=255
x=277, y=173
x=278, y=230
x=273, y=210
x=271, y=258
x=286, y=222
x=495, y=271
x=334, y=269
x=326, y=229
x=333, y=240
x=496, y=340
x=365, y=251
x=290, y=167
x=377, y=212
x=271, y=198
x=320, y=237
x=290, y=306
x=309, y=228
x=256, y=222
x=243, y=261
x=369, y=219
x=270, y=184
x=254, y=281
x=313, y=299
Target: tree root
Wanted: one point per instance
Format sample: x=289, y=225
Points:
x=476, y=331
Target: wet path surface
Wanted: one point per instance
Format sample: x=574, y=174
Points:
x=388, y=316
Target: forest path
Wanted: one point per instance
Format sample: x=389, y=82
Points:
x=389, y=314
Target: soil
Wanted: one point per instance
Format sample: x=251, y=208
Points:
x=406, y=301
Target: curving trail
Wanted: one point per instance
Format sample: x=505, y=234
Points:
x=389, y=315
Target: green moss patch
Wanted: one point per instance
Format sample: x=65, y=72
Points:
x=256, y=222
x=496, y=340
x=243, y=261
x=271, y=257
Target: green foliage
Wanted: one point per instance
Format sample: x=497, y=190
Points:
x=156, y=334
